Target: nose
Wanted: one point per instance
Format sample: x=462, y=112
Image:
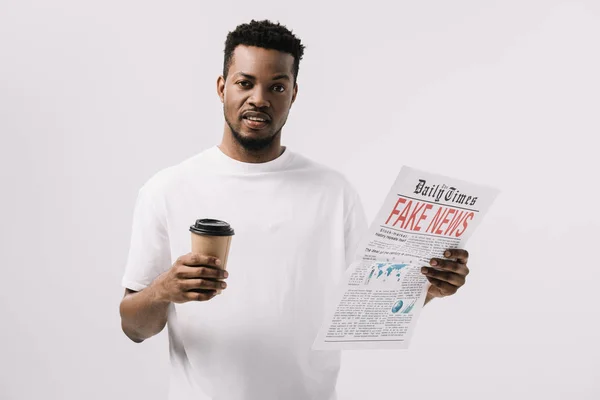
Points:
x=258, y=99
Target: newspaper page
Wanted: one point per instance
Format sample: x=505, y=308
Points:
x=378, y=302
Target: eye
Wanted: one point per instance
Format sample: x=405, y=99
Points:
x=279, y=88
x=244, y=84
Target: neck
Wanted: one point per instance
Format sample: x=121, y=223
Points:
x=235, y=150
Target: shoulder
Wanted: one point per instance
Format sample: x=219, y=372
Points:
x=325, y=175
x=172, y=177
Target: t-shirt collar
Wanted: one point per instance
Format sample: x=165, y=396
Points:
x=233, y=165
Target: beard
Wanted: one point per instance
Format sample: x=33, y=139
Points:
x=249, y=143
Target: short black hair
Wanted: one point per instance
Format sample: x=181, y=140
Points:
x=267, y=35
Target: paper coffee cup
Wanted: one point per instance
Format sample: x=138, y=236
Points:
x=212, y=237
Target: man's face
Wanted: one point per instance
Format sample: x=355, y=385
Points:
x=257, y=95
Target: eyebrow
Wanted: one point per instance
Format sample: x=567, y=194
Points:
x=276, y=77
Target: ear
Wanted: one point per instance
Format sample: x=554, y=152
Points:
x=221, y=88
x=295, y=93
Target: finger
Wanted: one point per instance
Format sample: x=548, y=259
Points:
x=187, y=272
x=199, y=259
x=461, y=255
x=452, y=266
x=450, y=277
x=200, y=296
x=444, y=288
x=190, y=284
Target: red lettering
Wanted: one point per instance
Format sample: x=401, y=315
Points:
x=404, y=214
x=470, y=216
x=437, y=219
x=395, y=211
x=422, y=217
x=413, y=215
x=445, y=220
x=456, y=221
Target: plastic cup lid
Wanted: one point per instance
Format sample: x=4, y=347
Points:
x=212, y=227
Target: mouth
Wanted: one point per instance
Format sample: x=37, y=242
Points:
x=256, y=120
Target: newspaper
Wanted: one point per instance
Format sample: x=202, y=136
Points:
x=378, y=302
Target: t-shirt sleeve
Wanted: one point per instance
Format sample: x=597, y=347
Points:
x=149, y=249
x=355, y=225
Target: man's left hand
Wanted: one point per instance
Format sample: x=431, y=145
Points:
x=446, y=275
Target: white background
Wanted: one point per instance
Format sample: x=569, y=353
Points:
x=95, y=97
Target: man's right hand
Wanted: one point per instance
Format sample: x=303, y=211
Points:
x=193, y=277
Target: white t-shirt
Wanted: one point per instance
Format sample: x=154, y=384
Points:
x=297, y=225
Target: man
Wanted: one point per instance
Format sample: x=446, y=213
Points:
x=297, y=224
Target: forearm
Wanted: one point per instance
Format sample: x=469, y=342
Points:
x=143, y=314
